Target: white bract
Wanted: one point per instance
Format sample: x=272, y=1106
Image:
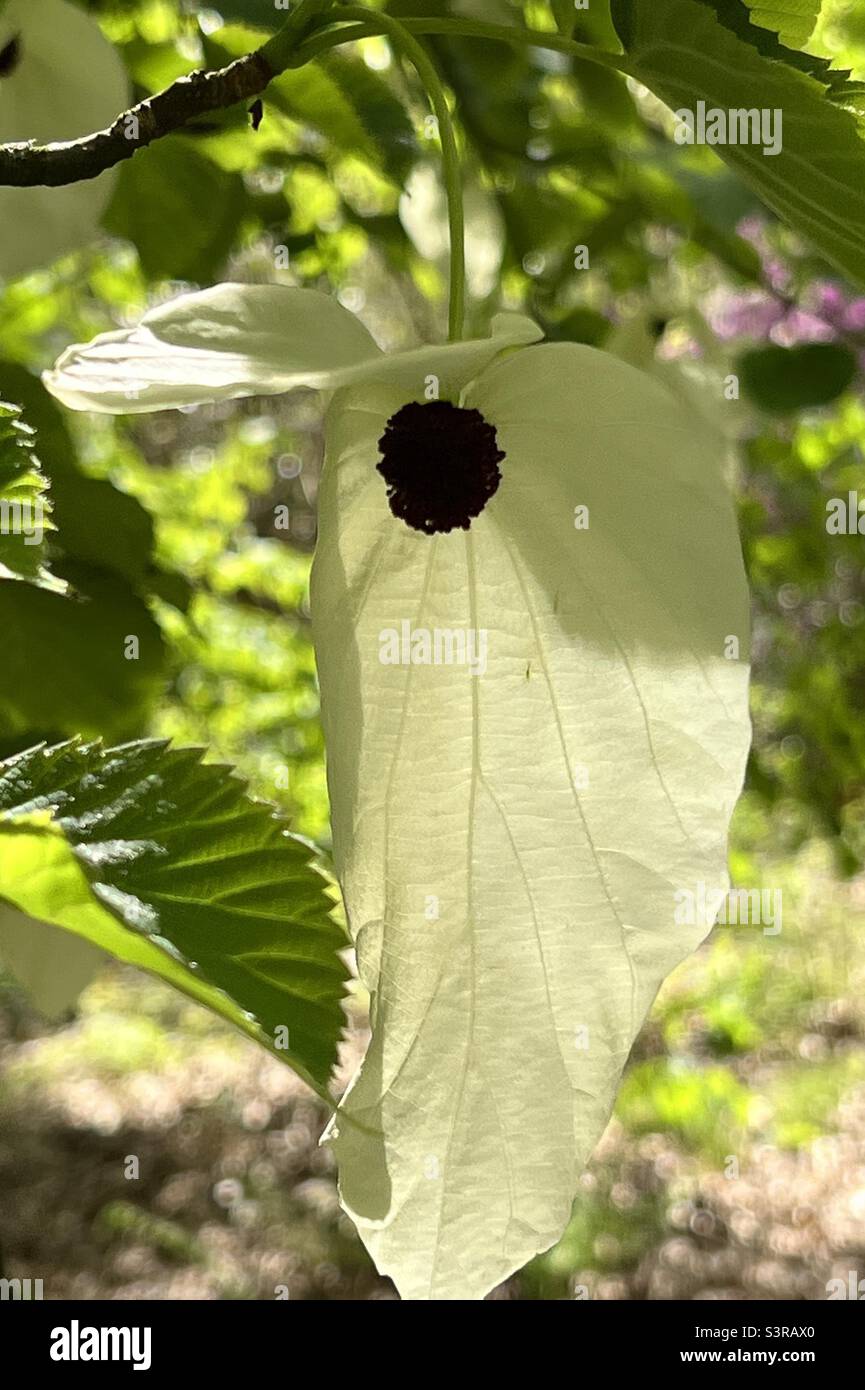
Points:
x=64, y=81
x=52, y=965
x=510, y=835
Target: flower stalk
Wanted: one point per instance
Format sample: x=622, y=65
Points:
x=401, y=38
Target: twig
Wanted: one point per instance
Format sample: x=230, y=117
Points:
x=27, y=164
x=72, y=161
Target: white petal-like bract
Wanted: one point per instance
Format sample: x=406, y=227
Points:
x=52, y=965
x=255, y=340
x=67, y=81
x=536, y=733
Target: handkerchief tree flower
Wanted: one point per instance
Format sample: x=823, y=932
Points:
x=531, y=627
x=39, y=224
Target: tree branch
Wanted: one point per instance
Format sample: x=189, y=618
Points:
x=72, y=161
x=27, y=164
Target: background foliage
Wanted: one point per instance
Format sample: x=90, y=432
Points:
x=194, y=530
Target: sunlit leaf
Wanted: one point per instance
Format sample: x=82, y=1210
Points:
x=348, y=103
x=781, y=29
x=816, y=180
x=166, y=863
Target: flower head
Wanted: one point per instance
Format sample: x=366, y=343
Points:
x=441, y=464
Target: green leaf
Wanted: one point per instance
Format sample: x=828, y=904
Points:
x=383, y=116
x=24, y=506
x=68, y=663
x=354, y=108
x=167, y=864
x=792, y=20
x=181, y=210
x=782, y=379
x=97, y=524
x=816, y=183
x=780, y=30
x=511, y=841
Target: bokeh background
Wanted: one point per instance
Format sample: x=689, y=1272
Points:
x=734, y=1166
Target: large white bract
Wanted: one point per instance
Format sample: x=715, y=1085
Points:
x=510, y=835
x=66, y=81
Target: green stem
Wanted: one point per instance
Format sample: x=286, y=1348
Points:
x=372, y=24
x=280, y=51
x=399, y=35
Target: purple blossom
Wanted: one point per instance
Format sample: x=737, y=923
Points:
x=801, y=327
x=752, y=314
x=777, y=273
x=753, y=229
x=828, y=301
x=854, y=316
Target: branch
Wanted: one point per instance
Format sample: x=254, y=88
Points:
x=27, y=164
x=72, y=161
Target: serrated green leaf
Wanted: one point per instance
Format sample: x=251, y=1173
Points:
x=816, y=182
x=25, y=512
x=792, y=20
x=166, y=863
x=98, y=525
x=780, y=30
x=511, y=838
